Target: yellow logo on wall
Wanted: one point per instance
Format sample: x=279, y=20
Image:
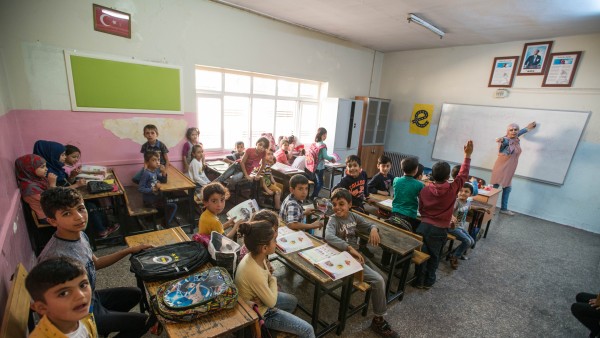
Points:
x=421, y=119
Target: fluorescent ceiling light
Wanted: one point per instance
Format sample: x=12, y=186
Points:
x=417, y=20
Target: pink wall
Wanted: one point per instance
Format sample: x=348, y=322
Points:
x=86, y=131
x=14, y=240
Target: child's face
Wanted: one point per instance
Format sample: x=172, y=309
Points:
x=153, y=163
x=41, y=171
x=199, y=154
x=66, y=303
x=151, y=135
x=70, y=221
x=300, y=191
x=194, y=136
x=62, y=158
x=384, y=168
x=215, y=203
x=464, y=193
x=240, y=148
x=323, y=137
x=272, y=245
x=260, y=147
x=269, y=157
x=341, y=207
x=72, y=158
x=353, y=168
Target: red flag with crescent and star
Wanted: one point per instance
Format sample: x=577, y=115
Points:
x=112, y=21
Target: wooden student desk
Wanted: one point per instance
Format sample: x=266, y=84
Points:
x=488, y=197
x=401, y=247
x=334, y=169
x=323, y=285
x=177, y=181
x=219, y=323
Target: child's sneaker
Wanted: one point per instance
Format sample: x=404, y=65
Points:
x=382, y=328
x=464, y=258
x=453, y=262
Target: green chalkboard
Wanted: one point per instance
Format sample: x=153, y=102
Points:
x=99, y=84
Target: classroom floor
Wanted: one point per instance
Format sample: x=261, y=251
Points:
x=518, y=282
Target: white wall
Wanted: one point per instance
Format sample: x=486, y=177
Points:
x=461, y=74
x=180, y=32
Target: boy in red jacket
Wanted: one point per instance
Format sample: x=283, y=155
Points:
x=436, y=202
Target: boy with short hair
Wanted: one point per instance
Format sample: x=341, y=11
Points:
x=436, y=203
x=355, y=181
x=152, y=176
x=236, y=154
x=152, y=144
x=381, y=182
x=251, y=159
x=473, y=182
x=341, y=233
x=292, y=212
x=406, y=195
x=65, y=210
x=61, y=294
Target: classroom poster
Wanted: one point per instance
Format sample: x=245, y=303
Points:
x=420, y=119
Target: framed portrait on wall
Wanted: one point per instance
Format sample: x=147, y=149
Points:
x=111, y=21
x=503, y=71
x=535, y=58
x=561, y=69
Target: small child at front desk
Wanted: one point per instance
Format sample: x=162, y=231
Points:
x=214, y=196
x=62, y=295
x=257, y=284
x=341, y=233
x=153, y=144
x=196, y=167
x=150, y=182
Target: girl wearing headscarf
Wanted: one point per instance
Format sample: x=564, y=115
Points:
x=31, y=177
x=509, y=150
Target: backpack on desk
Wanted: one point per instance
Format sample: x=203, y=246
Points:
x=169, y=261
x=196, y=295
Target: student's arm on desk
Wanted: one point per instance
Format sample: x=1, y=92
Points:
x=111, y=259
x=366, y=227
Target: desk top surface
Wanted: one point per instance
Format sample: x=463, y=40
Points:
x=391, y=237
x=176, y=180
x=111, y=175
x=213, y=325
x=286, y=169
x=217, y=165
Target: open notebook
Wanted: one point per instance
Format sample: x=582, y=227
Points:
x=334, y=263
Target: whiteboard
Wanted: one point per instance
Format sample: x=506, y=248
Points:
x=547, y=149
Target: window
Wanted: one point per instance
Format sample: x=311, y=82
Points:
x=240, y=106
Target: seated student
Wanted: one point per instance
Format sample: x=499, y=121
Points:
x=252, y=159
x=436, y=203
x=65, y=210
x=73, y=154
x=61, y=294
x=587, y=311
x=419, y=175
x=262, y=215
x=196, y=167
x=257, y=284
x=192, y=135
x=31, y=178
x=292, y=212
x=152, y=176
x=341, y=233
x=381, y=183
x=152, y=144
x=268, y=183
x=283, y=154
x=355, y=181
x=237, y=154
x=459, y=226
x=473, y=180
x=406, y=194
x=214, y=196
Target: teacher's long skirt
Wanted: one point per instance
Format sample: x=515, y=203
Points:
x=505, y=167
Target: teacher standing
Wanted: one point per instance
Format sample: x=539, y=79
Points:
x=509, y=150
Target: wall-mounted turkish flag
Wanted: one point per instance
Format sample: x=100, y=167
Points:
x=111, y=21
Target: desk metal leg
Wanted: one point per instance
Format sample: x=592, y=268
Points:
x=404, y=276
x=316, y=305
x=388, y=283
x=344, y=304
x=487, y=227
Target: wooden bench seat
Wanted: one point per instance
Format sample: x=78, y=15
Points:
x=16, y=311
x=135, y=205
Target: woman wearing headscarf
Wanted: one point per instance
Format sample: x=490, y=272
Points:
x=509, y=150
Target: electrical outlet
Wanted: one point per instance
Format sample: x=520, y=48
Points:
x=501, y=93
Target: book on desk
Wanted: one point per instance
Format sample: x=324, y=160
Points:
x=333, y=263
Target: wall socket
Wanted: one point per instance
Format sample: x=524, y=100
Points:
x=501, y=93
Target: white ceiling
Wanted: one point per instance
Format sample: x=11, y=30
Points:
x=382, y=24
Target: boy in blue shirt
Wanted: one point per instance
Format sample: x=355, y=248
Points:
x=381, y=183
x=152, y=144
x=152, y=176
x=66, y=211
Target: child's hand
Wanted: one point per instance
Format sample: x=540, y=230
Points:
x=454, y=219
x=356, y=255
x=269, y=266
x=316, y=224
x=52, y=179
x=269, y=192
x=468, y=148
x=257, y=177
x=374, y=238
x=80, y=183
x=138, y=248
x=162, y=169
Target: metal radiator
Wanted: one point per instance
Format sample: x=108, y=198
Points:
x=396, y=159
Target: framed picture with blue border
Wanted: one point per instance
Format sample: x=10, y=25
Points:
x=561, y=69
